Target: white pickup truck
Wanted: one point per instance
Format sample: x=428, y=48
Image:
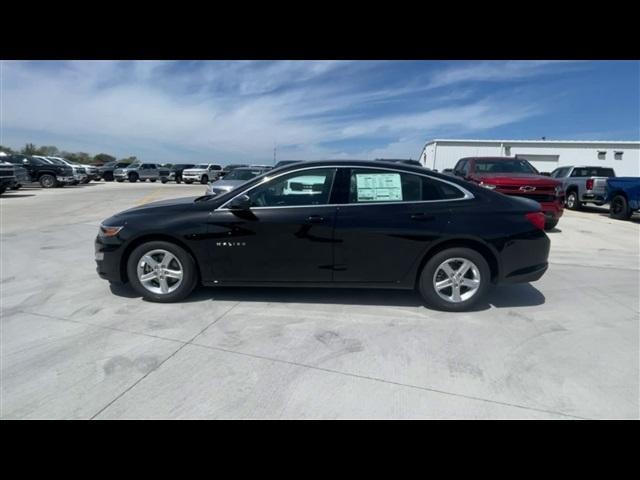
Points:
x=583, y=184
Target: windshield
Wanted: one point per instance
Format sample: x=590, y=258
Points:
x=241, y=174
x=516, y=165
x=57, y=162
x=202, y=166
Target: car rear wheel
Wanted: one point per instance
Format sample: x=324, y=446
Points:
x=48, y=181
x=619, y=208
x=572, y=201
x=162, y=271
x=164, y=180
x=133, y=177
x=153, y=180
x=550, y=224
x=455, y=279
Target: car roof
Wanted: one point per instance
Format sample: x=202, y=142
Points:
x=369, y=163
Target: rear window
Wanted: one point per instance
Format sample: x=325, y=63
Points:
x=593, y=172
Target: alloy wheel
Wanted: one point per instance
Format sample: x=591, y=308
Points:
x=456, y=280
x=160, y=271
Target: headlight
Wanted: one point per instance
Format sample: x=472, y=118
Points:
x=109, y=231
x=487, y=185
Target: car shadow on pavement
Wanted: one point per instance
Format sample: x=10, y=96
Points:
x=16, y=195
x=505, y=296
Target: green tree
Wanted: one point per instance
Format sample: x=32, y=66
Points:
x=29, y=149
x=131, y=159
x=48, y=150
x=103, y=158
x=7, y=150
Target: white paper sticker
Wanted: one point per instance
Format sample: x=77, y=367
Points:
x=378, y=187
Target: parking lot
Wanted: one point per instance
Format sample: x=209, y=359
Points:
x=564, y=347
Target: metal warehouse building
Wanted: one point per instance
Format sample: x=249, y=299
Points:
x=545, y=155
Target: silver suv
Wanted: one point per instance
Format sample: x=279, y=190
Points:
x=203, y=173
x=138, y=171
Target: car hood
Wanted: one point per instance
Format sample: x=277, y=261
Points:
x=194, y=170
x=517, y=179
x=164, y=205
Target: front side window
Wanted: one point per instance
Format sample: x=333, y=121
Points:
x=376, y=186
x=308, y=187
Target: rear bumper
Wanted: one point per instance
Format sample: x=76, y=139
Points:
x=528, y=274
x=594, y=197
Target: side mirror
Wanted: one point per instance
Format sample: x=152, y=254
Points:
x=241, y=202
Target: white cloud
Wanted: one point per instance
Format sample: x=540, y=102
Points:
x=236, y=109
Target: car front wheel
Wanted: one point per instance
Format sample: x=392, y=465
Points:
x=550, y=224
x=162, y=271
x=455, y=279
x=48, y=181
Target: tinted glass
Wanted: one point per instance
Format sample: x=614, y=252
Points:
x=370, y=185
x=203, y=166
x=593, y=172
x=241, y=174
x=309, y=187
x=503, y=166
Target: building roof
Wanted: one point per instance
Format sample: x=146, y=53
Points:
x=548, y=142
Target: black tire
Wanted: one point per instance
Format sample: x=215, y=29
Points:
x=163, y=180
x=190, y=272
x=48, y=181
x=16, y=187
x=426, y=280
x=572, y=201
x=120, y=180
x=108, y=177
x=204, y=179
x=619, y=208
x=153, y=180
x=3, y=189
x=133, y=177
x=188, y=182
x=178, y=180
x=550, y=224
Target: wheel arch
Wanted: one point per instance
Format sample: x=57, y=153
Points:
x=462, y=242
x=152, y=237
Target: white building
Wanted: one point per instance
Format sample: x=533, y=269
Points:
x=545, y=155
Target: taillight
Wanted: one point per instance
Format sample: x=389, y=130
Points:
x=536, y=218
x=589, y=183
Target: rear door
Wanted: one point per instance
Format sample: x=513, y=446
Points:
x=389, y=220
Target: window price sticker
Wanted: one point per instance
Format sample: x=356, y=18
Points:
x=378, y=187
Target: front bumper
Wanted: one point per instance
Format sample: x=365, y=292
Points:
x=108, y=257
x=66, y=178
x=192, y=176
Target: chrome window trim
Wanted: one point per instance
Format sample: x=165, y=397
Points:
x=467, y=194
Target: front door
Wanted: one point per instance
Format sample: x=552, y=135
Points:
x=285, y=236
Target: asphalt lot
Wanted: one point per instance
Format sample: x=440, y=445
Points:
x=564, y=347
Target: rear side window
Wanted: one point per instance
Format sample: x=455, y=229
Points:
x=381, y=186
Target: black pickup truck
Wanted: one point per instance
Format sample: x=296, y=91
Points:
x=47, y=174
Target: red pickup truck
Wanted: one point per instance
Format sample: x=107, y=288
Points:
x=515, y=176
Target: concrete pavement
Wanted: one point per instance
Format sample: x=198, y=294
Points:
x=71, y=347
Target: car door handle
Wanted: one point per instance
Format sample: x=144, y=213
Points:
x=423, y=217
x=315, y=219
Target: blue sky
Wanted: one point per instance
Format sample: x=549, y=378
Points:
x=225, y=111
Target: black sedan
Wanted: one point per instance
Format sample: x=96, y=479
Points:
x=331, y=224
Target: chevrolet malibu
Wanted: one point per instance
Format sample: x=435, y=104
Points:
x=331, y=224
